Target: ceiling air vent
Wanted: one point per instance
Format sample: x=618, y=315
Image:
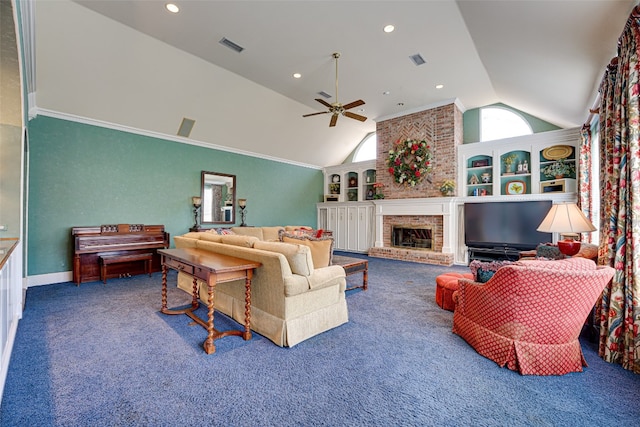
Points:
x=324, y=94
x=231, y=45
x=185, y=127
x=417, y=59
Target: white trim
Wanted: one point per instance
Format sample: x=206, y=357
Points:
x=174, y=138
x=50, y=279
x=442, y=103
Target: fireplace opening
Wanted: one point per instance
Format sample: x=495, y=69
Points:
x=412, y=237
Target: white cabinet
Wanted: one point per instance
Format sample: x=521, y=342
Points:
x=352, y=224
x=516, y=166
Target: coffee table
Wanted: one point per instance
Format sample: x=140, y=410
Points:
x=352, y=266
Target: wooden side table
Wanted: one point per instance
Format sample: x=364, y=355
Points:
x=212, y=268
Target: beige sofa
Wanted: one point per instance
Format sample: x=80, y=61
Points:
x=291, y=300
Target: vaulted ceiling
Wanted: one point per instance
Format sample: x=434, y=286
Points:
x=134, y=64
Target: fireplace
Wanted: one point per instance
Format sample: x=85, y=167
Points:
x=412, y=237
x=432, y=231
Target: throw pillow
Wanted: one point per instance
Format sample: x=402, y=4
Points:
x=224, y=231
x=483, y=271
x=321, y=249
x=299, y=257
x=549, y=252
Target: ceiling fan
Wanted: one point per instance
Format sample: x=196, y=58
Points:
x=337, y=108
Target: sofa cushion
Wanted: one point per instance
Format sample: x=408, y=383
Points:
x=299, y=257
x=248, y=231
x=483, y=271
x=211, y=237
x=234, y=239
x=271, y=233
x=321, y=248
x=224, y=231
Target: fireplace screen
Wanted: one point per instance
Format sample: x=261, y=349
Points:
x=412, y=237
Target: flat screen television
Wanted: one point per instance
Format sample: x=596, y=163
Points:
x=507, y=225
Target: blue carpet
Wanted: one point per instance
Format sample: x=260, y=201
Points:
x=103, y=355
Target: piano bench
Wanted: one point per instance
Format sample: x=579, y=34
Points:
x=106, y=260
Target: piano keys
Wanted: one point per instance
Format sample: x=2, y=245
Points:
x=91, y=243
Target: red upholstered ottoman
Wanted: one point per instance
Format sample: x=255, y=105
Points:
x=446, y=285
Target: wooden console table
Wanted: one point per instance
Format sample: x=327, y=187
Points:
x=212, y=268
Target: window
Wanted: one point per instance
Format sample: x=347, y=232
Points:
x=367, y=149
x=498, y=123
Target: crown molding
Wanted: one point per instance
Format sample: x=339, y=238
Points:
x=174, y=138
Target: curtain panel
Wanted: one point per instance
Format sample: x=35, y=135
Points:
x=620, y=201
x=584, y=178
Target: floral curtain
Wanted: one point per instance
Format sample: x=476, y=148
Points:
x=620, y=201
x=584, y=178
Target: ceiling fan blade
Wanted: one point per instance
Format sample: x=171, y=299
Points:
x=354, y=116
x=333, y=121
x=315, y=114
x=323, y=102
x=353, y=104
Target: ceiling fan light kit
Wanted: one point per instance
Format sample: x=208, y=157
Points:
x=337, y=108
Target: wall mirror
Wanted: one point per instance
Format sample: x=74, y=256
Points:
x=218, y=198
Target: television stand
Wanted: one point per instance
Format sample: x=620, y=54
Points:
x=494, y=254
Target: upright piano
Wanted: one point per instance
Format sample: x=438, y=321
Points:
x=92, y=243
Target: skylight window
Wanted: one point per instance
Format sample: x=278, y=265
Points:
x=498, y=123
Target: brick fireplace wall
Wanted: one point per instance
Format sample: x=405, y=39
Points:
x=442, y=128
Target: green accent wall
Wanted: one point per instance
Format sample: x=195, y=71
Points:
x=83, y=175
x=471, y=122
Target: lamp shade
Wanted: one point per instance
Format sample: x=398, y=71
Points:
x=197, y=201
x=566, y=218
x=242, y=202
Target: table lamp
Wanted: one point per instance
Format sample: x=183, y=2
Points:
x=243, y=205
x=568, y=220
x=196, y=202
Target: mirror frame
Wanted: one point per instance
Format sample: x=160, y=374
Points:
x=233, y=197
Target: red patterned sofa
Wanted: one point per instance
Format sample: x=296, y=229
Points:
x=528, y=316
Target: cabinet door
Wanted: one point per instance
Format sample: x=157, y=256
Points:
x=340, y=241
x=365, y=228
x=352, y=228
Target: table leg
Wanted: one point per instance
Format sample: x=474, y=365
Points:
x=247, y=306
x=164, y=289
x=194, y=298
x=209, y=346
x=365, y=277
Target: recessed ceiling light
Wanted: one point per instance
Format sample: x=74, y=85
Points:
x=388, y=28
x=172, y=8
x=400, y=104
x=297, y=75
x=386, y=92
x=439, y=86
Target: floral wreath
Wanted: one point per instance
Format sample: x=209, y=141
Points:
x=409, y=161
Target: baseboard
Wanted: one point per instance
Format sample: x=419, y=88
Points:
x=50, y=279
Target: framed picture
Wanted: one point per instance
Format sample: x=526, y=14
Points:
x=331, y=198
x=516, y=187
x=479, y=163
